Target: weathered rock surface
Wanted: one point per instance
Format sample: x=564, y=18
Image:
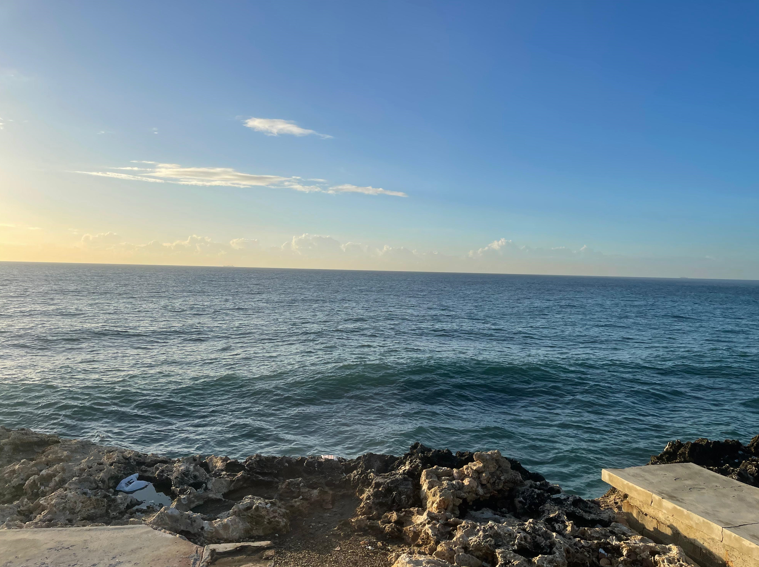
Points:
x=489, y=476
x=444, y=509
x=46, y=481
x=252, y=517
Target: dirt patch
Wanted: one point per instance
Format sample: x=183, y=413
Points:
x=353, y=551
x=321, y=538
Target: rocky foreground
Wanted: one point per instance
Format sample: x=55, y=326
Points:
x=427, y=508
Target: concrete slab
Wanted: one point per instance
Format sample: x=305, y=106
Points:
x=714, y=518
x=122, y=546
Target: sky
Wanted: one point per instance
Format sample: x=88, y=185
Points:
x=554, y=137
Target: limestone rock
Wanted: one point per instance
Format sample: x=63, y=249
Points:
x=186, y=472
x=184, y=523
x=449, y=510
x=408, y=560
x=490, y=475
x=251, y=517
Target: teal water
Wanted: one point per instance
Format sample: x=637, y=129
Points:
x=567, y=374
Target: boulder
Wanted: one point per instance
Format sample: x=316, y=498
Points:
x=488, y=476
x=252, y=517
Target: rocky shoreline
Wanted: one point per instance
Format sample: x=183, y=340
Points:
x=428, y=507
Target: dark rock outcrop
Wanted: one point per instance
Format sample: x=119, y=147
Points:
x=729, y=458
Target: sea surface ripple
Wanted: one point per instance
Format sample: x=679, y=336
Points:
x=567, y=374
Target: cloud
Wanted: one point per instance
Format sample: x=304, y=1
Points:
x=312, y=245
x=11, y=225
x=503, y=248
x=100, y=240
x=243, y=243
x=317, y=251
x=365, y=190
x=2, y=124
x=153, y=172
x=494, y=248
x=398, y=253
x=304, y=250
x=276, y=127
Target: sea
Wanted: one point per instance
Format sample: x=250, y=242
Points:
x=567, y=374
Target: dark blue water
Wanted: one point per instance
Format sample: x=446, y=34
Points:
x=567, y=374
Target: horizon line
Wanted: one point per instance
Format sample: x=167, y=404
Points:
x=222, y=267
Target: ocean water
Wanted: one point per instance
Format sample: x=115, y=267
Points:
x=567, y=374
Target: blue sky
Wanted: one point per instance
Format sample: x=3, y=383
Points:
x=627, y=128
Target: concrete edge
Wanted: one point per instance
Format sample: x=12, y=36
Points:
x=656, y=502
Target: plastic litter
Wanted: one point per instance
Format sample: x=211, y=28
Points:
x=143, y=491
x=130, y=484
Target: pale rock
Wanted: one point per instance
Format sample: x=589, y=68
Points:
x=444, y=489
x=408, y=560
x=178, y=521
x=253, y=516
x=465, y=560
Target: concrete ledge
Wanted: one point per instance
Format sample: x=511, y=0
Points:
x=713, y=518
x=125, y=546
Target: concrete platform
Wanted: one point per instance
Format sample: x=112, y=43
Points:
x=713, y=518
x=111, y=546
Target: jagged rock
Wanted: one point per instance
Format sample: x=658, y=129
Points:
x=188, y=524
x=640, y=551
x=445, y=489
x=533, y=523
x=20, y=444
x=407, y=560
x=534, y=544
x=451, y=510
x=729, y=458
x=184, y=473
x=251, y=517
x=193, y=498
x=66, y=482
x=389, y=491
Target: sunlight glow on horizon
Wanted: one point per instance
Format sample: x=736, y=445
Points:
x=500, y=138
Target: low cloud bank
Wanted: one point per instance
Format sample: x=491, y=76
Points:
x=325, y=252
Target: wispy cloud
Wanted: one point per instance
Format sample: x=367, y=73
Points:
x=18, y=226
x=365, y=190
x=153, y=172
x=277, y=127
